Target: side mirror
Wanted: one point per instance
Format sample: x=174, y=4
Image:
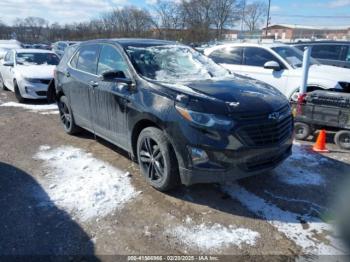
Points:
x=112, y=75
x=272, y=65
x=116, y=76
x=7, y=63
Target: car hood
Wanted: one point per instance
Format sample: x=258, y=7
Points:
x=331, y=73
x=241, y=94
x=36, y=71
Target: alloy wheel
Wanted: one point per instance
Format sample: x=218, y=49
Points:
x=152, y=159
x=65, y=115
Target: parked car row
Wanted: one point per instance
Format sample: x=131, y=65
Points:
x=279, y=65
x=185, y=117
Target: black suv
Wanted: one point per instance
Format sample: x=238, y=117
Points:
x=183, y=117
x=334, y=53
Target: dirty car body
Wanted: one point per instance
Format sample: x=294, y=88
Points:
x=219, y=127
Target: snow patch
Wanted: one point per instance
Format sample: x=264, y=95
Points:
x=32, y=107
x=292, y=172
x=306, y=236
x=54, y=112
x=83, y=185
x=210, y=237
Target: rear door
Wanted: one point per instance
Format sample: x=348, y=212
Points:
x=254, y=59
x=81, y=79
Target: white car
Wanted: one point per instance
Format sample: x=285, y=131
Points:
x=28, y=72
x=280, y=66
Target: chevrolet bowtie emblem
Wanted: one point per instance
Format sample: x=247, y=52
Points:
x=274, y=116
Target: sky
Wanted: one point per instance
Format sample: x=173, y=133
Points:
x=301, y=12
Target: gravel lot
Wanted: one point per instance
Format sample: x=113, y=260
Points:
x=62, y=194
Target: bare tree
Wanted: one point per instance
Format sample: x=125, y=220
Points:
x=254, y=15
x=196, y=15
x=35, y=26
x=224, y=13
x=168, y=19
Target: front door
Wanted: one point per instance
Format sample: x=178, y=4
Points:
x=110, y=98
x=254, y=59
x=7, y=71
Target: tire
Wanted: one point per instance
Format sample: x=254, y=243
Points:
x=157, y=160
x=18, y=93
x=66, y=116
x=342, y=139
x=2, y=84
x=301, y=131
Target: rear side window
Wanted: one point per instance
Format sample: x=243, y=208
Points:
x=232, y=55
x=332, y=52
x=87, y=60
x=255, y=56
x=111, y=60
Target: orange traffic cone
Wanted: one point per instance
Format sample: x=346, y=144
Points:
x=320, y=145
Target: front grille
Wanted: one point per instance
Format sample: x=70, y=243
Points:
x=267, y=133
x=41, y=93
x=263, y=116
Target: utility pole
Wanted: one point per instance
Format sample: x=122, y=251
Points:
x=268, y=17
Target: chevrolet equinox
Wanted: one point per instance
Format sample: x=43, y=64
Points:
x=184, y=118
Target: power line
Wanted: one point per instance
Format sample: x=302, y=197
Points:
x=315, y=16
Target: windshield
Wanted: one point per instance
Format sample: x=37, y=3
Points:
x=173, y=63
x=292, y=55
x=36, y=59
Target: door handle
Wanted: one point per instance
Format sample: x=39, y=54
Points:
x=93, y=83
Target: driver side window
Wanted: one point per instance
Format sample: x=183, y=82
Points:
x=255, y=56
x=111, y=60
x=9, y=57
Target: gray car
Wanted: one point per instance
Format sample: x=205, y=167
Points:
x=60, y=46
x=334, y=53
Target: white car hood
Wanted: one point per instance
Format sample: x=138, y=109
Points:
x=330, y=73
x=36, y=71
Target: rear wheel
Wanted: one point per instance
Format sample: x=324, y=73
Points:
x=66, y=116
x=2, y=84
x=157, y=160
x=342, y=139
x=301, y=131
x=18, y=93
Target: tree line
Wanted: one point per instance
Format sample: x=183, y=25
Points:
x=186, y=20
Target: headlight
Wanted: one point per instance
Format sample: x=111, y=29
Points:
x=202, y=119
x=32, y=80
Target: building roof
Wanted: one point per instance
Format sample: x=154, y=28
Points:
x=295, y=26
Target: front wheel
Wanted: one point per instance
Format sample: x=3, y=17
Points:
x=342, y=139
x=2, y=84
x=18, y=93
x=66, y=116
x=158, y=163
